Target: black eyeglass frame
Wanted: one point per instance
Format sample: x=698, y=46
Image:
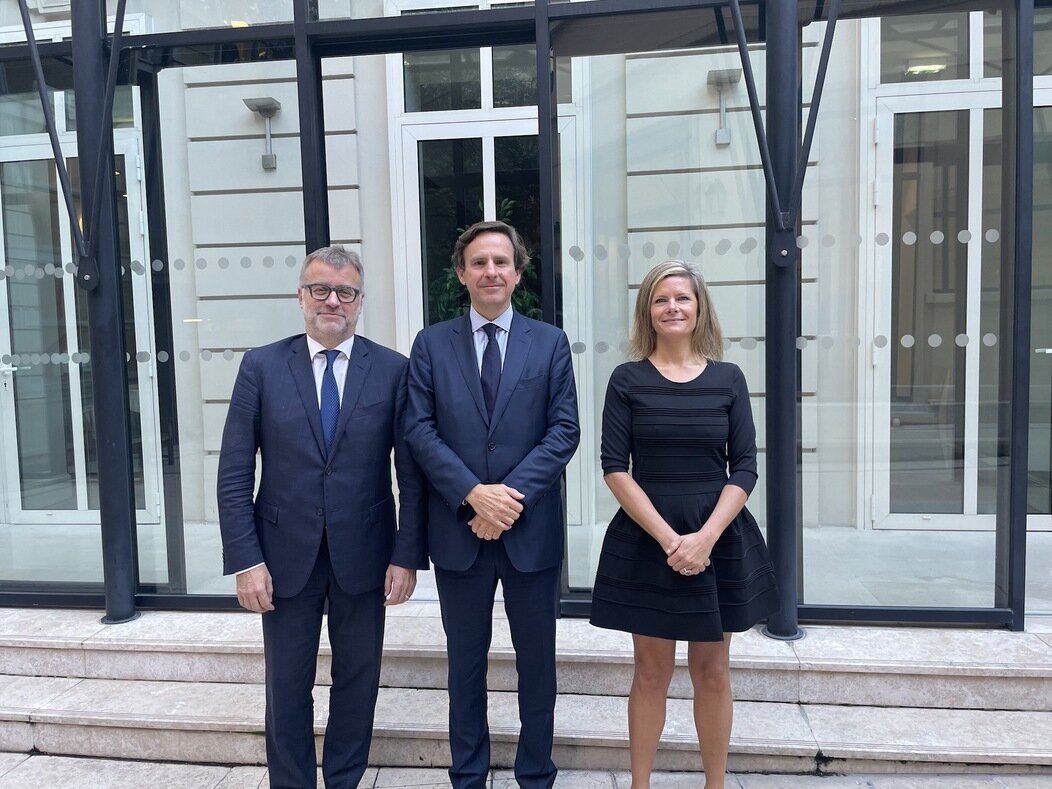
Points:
x=340, y=292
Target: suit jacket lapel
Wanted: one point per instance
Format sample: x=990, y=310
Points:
x=354, y=379
x=463, y=343
x=515, y=355
x=303, y=374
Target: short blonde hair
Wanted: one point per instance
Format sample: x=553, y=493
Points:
x=707, y=340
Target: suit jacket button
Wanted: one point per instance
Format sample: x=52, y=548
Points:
x=492, y=446
x=328, y=472
x=320, y=511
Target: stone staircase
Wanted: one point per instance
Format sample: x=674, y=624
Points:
x=187, y=687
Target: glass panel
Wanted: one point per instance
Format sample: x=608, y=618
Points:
x=165, y=15
x=899, y=345
x=643, y=180
x=36, y=309
x=235, y=244
x=84, y=341
x=924, y=47
x=361, y=9
x=123, y=110
x=448, y=79
x=515, y=76
x=929, y=289
x=450, y=202
x=1040, y=492
x=518, y=203
x=20, y=110
x=1042, y=42
x=56, y=11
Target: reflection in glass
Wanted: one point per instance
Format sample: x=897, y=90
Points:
x=447, y=79
x=36, y=312
x=924, y=47
x=929, y=291
x=450, y=201
x=123, y=113
x=515, y=76
x=518, y=203
x=992, y=65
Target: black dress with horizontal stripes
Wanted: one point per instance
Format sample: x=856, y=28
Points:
x=684, y=442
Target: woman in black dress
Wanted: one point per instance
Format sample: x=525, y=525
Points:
x=682, y=559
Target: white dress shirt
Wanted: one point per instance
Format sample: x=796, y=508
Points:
x=503, y=322
x=339, y=367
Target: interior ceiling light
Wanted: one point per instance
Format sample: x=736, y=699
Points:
x=924, y=68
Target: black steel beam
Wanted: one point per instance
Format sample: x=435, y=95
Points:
x=1014, y=359
x=211, y=36
x=315, y=177
x=48, y=50
x=782, y=318
x=109, y=367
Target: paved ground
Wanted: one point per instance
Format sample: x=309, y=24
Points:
x=22, y=771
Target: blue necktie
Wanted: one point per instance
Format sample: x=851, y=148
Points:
x=490, y=367
x=330, y=401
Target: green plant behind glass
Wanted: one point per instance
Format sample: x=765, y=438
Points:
x=450, y=299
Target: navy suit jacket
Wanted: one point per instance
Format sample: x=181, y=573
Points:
x=528, y=442
x=348, y=495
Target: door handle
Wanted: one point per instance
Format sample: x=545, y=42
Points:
x=7, y=369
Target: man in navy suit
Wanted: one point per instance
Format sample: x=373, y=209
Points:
x=492, y=420
x=324, y=410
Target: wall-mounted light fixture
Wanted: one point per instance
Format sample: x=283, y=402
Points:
x=722, y=79
x=268, y=107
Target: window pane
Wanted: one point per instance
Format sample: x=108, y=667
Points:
x=924, y=47
x=929, y=287
x=450, y=202
x=515, y=76
x=36, y=311
x=518, y=203
x=165, y=15
x=447, y=79
x=20, y=110
x=992, y=50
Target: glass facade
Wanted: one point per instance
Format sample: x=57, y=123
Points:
x=901, y=451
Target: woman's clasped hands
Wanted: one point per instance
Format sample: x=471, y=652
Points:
x=689, y=554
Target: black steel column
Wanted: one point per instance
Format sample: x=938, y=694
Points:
x=315, y=175
x=1014, y=359
x=782, y=307
x=109, y=366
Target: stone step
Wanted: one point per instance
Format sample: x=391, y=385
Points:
x=865, y=666
x=22, y=771
x=222, y=723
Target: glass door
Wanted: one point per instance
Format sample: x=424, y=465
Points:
x=935, y=365
x=48, y=459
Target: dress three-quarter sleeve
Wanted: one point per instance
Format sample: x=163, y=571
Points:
x=741, y=436
x=616, y=443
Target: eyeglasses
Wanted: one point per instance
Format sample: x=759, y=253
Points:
x=346, y=295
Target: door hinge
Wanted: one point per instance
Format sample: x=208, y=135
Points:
x=873, y=508
x=138, y=167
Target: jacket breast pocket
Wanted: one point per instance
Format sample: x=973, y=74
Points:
x=532, y=382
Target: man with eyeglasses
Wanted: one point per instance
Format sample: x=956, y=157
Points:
x=324, y=410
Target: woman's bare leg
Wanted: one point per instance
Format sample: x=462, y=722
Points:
x=710, y=673
x=655, y=660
